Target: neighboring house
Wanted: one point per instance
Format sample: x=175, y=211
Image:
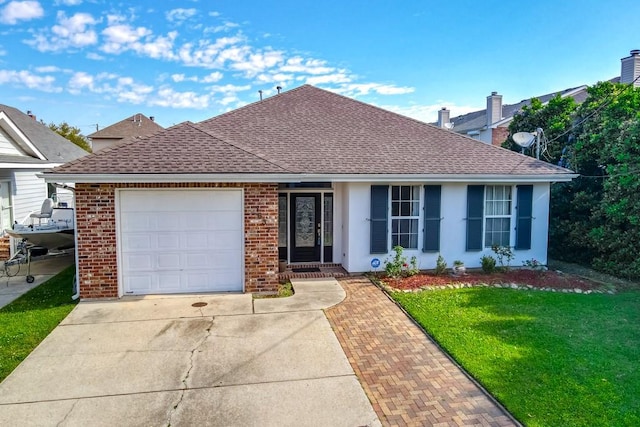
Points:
x=134, y=127
x=491, y=125
x=28, y=147
x=308, y=176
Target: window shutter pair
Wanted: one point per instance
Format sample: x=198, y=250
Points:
x=379, y=218
x=475, y=213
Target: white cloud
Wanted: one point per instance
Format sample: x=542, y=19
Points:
x=356, y=89
x=229, y=88
x=16, y=11
x=216, y=76
x=180, y=15
x=226, y=26
x=95, y=56
x=49, y=69
x=340, y=77
x=177, y=78
x=253, y=63
x=274, y=77
x=429, y=113
x=75, y=31
x=298, y=64
x=120, y=38
x=168, y=97
x=68, y=2
x=30, y=80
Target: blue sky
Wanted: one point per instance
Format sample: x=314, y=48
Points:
x=92, y=62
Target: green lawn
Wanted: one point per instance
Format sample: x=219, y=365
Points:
x=28, y=320
x=552, y=359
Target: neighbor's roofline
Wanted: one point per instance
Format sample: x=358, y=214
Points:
x=254, y=178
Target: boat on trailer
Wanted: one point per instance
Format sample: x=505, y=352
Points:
x=52, y=228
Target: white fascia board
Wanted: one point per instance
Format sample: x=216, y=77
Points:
x=284, y=178
x=18, y=133
x=29, y=165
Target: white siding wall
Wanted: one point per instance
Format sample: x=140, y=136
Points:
x=29, y=192
x=8, y=146
x=356, y=205
x=337, y=223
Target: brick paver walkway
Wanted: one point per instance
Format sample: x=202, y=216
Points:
x=405, y=375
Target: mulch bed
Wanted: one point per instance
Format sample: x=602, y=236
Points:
x=522, y=277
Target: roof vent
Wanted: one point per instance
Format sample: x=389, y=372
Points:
x=260, y=92
x=152, y=118
x=634, y=52
x=278, y=88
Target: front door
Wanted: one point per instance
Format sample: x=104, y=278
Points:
x=305, y=227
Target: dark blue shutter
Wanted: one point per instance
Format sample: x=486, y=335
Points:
x=475, y=211
x=524, y=210
x=432, y=218
x=379, y=214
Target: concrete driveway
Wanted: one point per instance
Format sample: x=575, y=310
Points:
x=210, y=360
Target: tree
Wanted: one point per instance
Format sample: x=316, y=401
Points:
x=595, y=219
x=554, y=118
x=71, y=133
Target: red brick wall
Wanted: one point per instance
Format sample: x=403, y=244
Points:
x=96, y=229
x=499, y=135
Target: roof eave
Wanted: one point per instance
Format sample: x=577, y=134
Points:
x=253, y=178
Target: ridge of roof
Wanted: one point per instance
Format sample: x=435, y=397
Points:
x=54, y=147
x=124, y=128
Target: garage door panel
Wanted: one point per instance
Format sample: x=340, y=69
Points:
x=167, y=241
x=169, y=281
x=138, y=262
x=181, y=241
x=168, y=261
x=138, y=282
x=224, y=220
x=226, y=239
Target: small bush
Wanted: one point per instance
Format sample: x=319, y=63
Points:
x=503, y=253
x=488, y=264
x=441, y=265
x=399, y=266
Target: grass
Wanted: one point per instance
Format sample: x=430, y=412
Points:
x=284, y=290
x=25, y=322
x=552, y=359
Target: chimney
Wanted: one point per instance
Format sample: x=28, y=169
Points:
x=443, y=117
x=630, y=69
x=494, y=108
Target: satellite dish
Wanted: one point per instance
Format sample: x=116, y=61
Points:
x=448, y=125
x=523, y=139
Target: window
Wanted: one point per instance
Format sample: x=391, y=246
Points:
x=497, y=215
x=405, y=212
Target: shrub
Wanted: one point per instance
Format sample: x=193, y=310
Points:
x=398, y=265
x=488, y=264
x=441, y=265
x=503, y=253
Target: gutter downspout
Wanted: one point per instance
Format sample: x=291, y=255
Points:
x=76, y=281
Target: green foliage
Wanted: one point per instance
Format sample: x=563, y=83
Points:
x=398, y=266
x=520, y=344
x=595, y=219
x=441, y=265
x=488, y=264
x=503, y=253
x=71, y=133
x=554, y=118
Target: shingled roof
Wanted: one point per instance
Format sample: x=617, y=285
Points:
x=135, y=126
x=309, y=131
x=51, y=145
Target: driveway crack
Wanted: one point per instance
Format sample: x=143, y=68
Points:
x=186, y=377
x=68, y=413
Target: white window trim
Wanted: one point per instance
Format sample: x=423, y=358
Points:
x=418, y=199
x=510, y=215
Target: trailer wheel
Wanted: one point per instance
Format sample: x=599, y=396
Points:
x=30, y=279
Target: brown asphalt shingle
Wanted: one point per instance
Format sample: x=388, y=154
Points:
x=313, y=131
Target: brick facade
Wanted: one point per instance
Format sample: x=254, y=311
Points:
x=96, y=230
x=499, y=135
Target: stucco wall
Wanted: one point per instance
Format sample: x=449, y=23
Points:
x=453, y=228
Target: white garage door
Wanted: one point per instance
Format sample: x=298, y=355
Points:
x=178, y=241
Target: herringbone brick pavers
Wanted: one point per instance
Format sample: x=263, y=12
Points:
x=407, y=378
